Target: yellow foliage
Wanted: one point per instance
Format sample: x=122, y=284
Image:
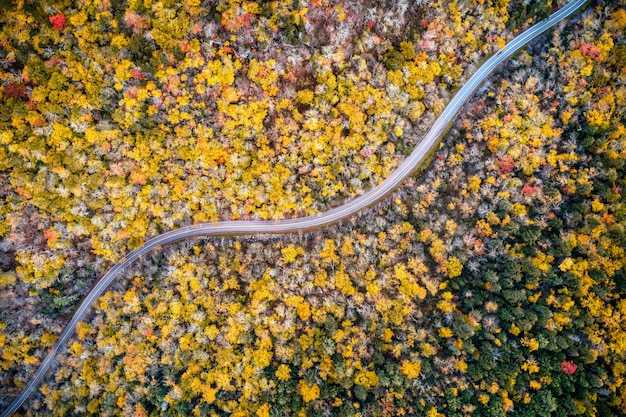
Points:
x=427, y=350
x=408, y=283
x=262, y=358
x=598, y=118
x=289, y=254
x=411, y=369
x=474, y=183
x=518, y=209
x=82, y=330
x=308, y=392
x=483, y=228
x=343, y=282
x=263, y=411
x=283, y=373
x=367, y=379
x=530, y=366
x=208, y=394
x=445, y=332
x=304, y=311
x=597, y=206
x=531, y=343
x=446, y=306
x=263, y=73
x=454, y=267
x=328, y=253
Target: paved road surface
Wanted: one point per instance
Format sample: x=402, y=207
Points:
x=304, y=223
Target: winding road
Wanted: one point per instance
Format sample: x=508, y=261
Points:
x=305, y=223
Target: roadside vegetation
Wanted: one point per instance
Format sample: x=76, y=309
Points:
x=493, y=286
x=123, y=119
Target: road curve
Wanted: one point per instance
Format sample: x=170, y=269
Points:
x=305, y=223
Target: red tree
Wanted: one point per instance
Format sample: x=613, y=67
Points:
x=58, y=21
x=568, y=367
x=15, y=90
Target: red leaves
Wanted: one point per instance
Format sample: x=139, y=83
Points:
x=15, y=90
x=590, y=50
x=616, y=189
x=506, y=165
x=568, y=367
x=51, y=236
x=58, y=21
x=54, y=61
x=135, y=21
x=367, y=151
x=137, y=74
x=235, y=18
x=528, y=189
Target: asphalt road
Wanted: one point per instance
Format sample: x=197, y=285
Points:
x=305, y=223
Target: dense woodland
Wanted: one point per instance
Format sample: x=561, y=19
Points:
x=491, y=286
x=121, y=120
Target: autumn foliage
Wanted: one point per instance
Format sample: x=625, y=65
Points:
x=491, y=286
x=58, y=21
x=568, y=367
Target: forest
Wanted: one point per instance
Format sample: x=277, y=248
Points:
x=490, y=285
